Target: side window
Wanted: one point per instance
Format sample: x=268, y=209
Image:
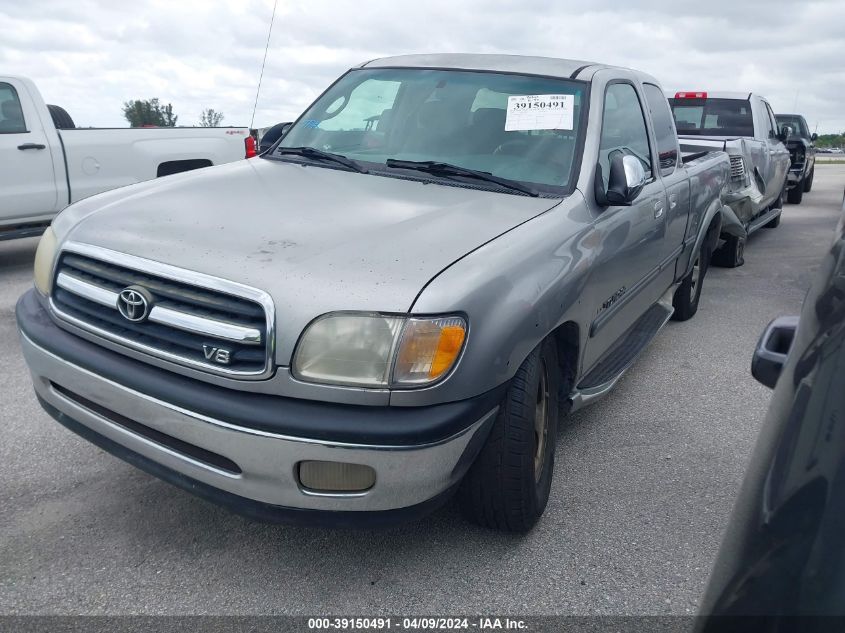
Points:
x=664, y=128
x=623, y=128
x=772, y=121
x=11, y=115
x=769, y=120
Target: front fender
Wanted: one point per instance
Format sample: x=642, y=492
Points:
x=515, y=290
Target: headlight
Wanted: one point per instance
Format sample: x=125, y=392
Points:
x=44, y=256
x=373, y=350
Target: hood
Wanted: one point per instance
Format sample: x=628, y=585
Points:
x=316, y=239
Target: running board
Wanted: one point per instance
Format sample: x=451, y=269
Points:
x=621, y=356
x=758, y=223
x=23, y=230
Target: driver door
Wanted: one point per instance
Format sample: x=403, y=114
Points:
x=625, y=281
x=27, y=180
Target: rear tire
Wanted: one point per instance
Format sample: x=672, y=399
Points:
x=731, y=254
x=686, y=298
x=808, y=180
x=508, y=486
x=61, y=119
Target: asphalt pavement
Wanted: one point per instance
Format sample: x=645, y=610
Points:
x=644, y=484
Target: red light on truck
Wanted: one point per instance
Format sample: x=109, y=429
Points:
x=249, y=146
x=690, y=95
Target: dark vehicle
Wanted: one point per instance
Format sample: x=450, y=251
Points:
x=802, y=152
x=784, y=550
x=273, y=134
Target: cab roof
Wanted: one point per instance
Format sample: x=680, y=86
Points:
x=548, y=66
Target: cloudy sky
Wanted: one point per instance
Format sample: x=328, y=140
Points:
x=90, y=56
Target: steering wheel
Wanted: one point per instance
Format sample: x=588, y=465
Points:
x=508, y=146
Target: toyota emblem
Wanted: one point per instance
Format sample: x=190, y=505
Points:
x=134, y=303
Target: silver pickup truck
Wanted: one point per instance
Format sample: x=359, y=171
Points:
x=442, y=256
x=743, y=125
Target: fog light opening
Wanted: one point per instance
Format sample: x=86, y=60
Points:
x=334, y=477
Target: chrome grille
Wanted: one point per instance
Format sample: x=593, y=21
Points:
x=190, y=324
x=737, y=168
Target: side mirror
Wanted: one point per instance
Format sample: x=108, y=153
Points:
x=814, y=137
x=272, y=135
x=785, y=133
x=626, y=180
x=772, y=349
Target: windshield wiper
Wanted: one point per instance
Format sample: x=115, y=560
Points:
x=318, y=154
x=448, y=169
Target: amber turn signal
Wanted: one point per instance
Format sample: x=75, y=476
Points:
x=428, y=349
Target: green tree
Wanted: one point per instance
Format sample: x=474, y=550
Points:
x=211, y=118
x=169, y=117
x=141, y=112
x=831, y=140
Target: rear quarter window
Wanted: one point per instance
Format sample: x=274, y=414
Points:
x=664, y=128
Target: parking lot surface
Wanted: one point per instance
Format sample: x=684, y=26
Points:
x=643, y=488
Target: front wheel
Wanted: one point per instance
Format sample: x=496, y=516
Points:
x=508, y=486
x=796, y=194
x=808, y=180
x=731, y=254
x=777, y=204
x=686, y=298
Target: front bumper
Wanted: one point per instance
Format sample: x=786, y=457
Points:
x=795, y=176
x=115, y=402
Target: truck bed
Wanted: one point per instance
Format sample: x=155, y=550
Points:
x=99, y=159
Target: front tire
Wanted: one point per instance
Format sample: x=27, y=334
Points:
x=777, y=204
x=796, y=194
x=686, y=298
x=731, y=254
x=508, y=486
x=808, y=180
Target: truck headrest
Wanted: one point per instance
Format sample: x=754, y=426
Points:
x=11, y=111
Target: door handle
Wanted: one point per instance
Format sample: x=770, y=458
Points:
x=32, y=146
x=673, y=201
x=658, y=209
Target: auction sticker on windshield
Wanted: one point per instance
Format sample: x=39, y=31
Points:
x=539, y=112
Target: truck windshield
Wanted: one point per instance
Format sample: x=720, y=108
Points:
x=797, y=123
x=515, y=127
x=713, y=117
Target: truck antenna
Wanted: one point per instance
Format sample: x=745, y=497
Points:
x=261, y=76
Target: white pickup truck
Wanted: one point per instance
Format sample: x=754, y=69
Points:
x=47, y=163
